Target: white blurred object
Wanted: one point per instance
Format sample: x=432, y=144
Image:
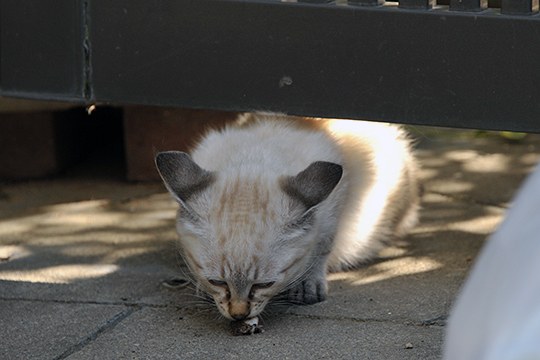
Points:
x=497, y=315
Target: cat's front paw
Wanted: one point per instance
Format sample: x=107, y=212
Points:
x=308, y=292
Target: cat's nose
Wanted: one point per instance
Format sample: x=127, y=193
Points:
x=238, y=316
x=239, y=310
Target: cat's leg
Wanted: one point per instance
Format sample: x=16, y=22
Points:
x=313, y=287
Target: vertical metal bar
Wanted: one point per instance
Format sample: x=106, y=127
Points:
x=366, y=2
x=519, y=7
x=417, y=4
x=468, y=5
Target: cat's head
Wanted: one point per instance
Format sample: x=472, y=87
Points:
x=246, y=237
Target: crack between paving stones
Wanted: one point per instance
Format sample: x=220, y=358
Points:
x=439, y=321
x=341, y=318
x=108, y=326
x=80, y=302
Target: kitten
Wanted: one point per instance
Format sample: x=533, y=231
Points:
x=269, y=205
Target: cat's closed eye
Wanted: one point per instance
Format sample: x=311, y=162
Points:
x=219, y=283
x=260, y=286
x=265, y=285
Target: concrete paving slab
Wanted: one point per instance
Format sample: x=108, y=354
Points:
x=167, y=334
x=464, y=164
x=103, y=250
x=46, y=330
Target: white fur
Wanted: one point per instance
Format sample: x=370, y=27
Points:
x=378, y=182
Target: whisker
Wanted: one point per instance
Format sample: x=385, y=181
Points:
x=218, y=316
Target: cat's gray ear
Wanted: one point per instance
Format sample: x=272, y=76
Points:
x=181, y=175
x=314, y=184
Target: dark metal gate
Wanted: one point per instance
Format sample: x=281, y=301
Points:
x=461, y=64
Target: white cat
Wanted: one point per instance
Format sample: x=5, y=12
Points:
x=269, y=205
